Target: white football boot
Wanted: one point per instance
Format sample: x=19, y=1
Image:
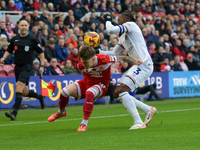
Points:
x=149, y=115
x=138, y=126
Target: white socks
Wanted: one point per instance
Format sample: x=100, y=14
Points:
x=142, y=106
x=85, y=122
x=129, y=103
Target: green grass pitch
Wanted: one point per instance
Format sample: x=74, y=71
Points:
x=176, y=126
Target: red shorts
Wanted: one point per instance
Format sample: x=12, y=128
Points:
x=82, y=89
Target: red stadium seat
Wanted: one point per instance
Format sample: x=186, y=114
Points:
x=2, y=72
x=11, y=73
x=9, y=70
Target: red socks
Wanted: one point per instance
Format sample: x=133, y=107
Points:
x=88, y=105
x=63, y=102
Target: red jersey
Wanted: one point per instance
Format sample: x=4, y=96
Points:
x=10, y=33
x=59, y=72
x=11, y=23
x=100, y=73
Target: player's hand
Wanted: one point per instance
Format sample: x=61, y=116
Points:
x=97, y=49
x=138, y=62
x=2, y=60
x=108, y=17
x=41, y=70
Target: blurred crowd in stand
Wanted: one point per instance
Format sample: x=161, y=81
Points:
x=171, y=29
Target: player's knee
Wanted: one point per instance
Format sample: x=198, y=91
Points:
x=120, y=89
x=116, y=92
x=19, y=87
x=64, y=92
x=89, y=95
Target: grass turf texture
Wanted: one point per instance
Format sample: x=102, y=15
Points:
x=175, y=126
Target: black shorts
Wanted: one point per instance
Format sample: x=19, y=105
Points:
x=22, y=73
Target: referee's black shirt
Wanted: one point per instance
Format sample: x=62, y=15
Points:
x=24, y=48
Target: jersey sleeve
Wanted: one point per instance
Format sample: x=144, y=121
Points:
x=126, y=27
x=112, y=59
x=80, y=66
x=11, y=46
x=115, y=52
x=118, y=49
x=37, y=46
x=106, y=59
x=112, y=29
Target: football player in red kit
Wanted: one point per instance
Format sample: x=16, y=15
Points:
x=94, y=85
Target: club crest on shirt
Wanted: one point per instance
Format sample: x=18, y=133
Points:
x=26, y=48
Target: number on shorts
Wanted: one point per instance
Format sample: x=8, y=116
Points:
x=137, y=71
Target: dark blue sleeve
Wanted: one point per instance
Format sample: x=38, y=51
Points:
x=47, y=71
x=66, y=53
x=59, y=53
x=10, y=60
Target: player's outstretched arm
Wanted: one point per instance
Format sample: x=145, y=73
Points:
x=116, y=29
x=112, y=29
x=129, y=60
x=110, y=53
x=115, y=52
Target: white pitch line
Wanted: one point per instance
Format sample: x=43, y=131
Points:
x=61, y=120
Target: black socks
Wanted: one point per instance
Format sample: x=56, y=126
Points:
x=18, y=100
x=33, y=94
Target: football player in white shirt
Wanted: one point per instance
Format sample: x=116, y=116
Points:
x=132, y=40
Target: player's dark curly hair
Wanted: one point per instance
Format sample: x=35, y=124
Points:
x=129, y=15
x=86, y=52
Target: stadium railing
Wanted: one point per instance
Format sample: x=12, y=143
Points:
x=17, y=16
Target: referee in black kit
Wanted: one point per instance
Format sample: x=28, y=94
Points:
x=24, y=45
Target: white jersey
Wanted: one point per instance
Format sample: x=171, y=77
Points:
x=133, y=41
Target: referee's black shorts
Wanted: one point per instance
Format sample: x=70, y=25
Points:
x=22, y=73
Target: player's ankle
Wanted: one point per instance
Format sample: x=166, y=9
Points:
x=62, y=112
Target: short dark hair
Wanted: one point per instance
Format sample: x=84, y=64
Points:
x=129, y=15
x=87, y=52
x=54, y=58
x=51, y=42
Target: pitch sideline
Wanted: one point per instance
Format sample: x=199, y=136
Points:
x=61, y=120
